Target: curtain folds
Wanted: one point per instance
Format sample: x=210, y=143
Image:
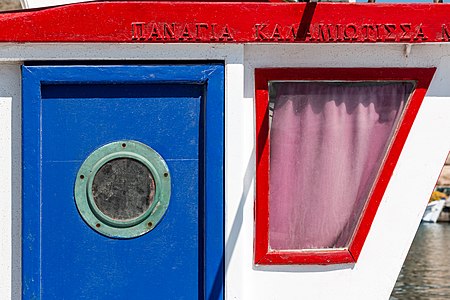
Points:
x=327, y=143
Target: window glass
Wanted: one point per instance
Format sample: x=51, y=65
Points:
x=327, y=144
x=123, y=189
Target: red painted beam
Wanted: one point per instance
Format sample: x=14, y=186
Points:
x=219, y=22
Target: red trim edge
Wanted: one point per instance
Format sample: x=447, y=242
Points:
x=262, y=254
x=220, y=22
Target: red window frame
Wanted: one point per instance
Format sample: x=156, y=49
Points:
x=263, y=255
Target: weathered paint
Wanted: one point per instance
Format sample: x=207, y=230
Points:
x=161, y=106
x=158, y=198
x=176, y=22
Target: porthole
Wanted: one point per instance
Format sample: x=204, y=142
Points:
x=122, y=189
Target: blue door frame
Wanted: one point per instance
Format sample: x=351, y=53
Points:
x=50, y=94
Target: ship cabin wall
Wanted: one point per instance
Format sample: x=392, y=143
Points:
x=399, y=213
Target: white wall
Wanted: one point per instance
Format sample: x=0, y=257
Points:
x=10, y=180
x=398, y=217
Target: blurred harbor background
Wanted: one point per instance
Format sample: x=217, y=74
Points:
x=426, y=271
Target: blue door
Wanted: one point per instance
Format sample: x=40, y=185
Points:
x=99, y=221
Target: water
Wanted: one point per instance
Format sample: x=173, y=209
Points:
x=426, y=271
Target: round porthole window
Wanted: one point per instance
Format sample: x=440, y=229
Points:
x=122, y=189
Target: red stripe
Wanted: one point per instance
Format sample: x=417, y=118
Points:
x=229, y=23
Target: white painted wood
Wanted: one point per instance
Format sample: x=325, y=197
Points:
x=44, y=3
x=392, y=232
x=236, y=165
x=127, y=52
x=5, y=194
x=10, y=181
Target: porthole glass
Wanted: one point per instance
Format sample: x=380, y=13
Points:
x=122, y=189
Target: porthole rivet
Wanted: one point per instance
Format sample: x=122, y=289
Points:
x=149, y=224
x=166, y=174
x=81, y=176
x=124, y=145
x=97, y=225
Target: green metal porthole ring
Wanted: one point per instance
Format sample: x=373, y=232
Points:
x=104, y=224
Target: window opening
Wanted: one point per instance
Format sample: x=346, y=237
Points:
x=327, y=143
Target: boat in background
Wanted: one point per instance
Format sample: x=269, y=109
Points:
x=433, y=211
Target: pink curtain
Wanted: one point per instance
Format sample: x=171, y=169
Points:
x=327, y=143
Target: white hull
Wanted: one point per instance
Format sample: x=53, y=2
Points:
x=433, y=211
